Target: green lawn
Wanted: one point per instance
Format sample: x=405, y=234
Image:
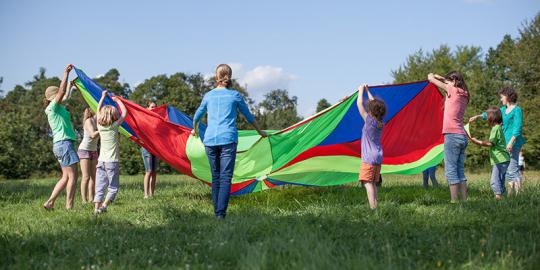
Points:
x=295, y=228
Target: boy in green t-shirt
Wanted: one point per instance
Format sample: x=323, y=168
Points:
x=499, y=157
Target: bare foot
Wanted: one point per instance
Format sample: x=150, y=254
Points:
x=48, y=205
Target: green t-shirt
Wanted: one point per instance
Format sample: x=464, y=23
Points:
x=497, y=151
x=60, y=122
x=110, y=147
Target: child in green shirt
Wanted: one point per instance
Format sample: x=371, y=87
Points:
x=498, y=155
x=64, y=139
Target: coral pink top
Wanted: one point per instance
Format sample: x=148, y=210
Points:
x=454, y=109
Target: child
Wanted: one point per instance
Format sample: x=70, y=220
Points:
x=455, y=90
x=512, y=126
x=221, y=137
x=499, y=157
x=150, y=166
x=88, y=155
x=430, y=173
x=372, y=153
x=63, y=139
x=108, y=168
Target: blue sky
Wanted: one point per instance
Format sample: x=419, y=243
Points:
x=315, y=49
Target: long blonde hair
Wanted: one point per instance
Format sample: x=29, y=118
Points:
x=107, y=116
x=224, y=75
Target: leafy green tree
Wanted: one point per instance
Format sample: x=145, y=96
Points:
x=322, y=105
x=277, y=110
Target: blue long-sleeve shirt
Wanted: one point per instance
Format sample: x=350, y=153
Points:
x=512, y=125
x=222, y=106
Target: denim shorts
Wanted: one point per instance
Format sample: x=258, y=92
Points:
x=150, y=161
x=65, y=153
x=454, y=157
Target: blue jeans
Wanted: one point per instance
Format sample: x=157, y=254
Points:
x=454, y=157
x=430, y=173
x=512, y=174
x=497, y=178
x=221, y=158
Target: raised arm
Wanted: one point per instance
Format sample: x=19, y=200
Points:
x=100, y=103
x=122, y=108
x=438, y=81
x=62, y=89
x=370, y=96
x=360, y=101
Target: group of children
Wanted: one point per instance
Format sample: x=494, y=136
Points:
x=505, y=140
x=104, y=168
x=223, y=103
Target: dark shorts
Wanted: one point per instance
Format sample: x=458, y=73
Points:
x=87, y=154
x=65, y=153
x=150, y=161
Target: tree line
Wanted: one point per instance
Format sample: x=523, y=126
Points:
x=25, y=142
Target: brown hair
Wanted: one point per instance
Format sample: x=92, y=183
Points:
x=458, y=80
x=377, y=109
x=88, y=113
x=107, y=116
x=494, y=116
x=224, y=75
x=510, y=94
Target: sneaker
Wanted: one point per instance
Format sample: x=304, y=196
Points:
x=103, y=208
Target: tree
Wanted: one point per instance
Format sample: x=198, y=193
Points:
x=322, y=105
x=277, y=110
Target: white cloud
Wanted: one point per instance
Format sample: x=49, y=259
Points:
x=262, y=79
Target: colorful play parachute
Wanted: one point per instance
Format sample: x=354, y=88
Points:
x=322, y=150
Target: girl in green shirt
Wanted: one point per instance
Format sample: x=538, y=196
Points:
x=498, y=155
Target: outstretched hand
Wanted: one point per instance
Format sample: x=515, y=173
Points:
x=69, y=68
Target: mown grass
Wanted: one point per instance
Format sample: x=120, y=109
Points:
x=295, y=228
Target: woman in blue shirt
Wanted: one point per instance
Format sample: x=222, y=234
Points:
x=221, y=136
x=512, y=129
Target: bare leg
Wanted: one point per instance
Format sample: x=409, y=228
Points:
x=510, y=188
x=517, y=186
x=371, y=190
x=147, y=177
x=463, y=190
x=85, y=172
x=70, y=187
x=153, y=180
x=60, y=185
x=92, y=182
x=454, y=193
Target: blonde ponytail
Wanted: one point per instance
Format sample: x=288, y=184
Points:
x=224, y=76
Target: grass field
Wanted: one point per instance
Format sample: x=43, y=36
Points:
x=295, y=228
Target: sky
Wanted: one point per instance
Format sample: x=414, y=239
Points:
x=314, y=49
